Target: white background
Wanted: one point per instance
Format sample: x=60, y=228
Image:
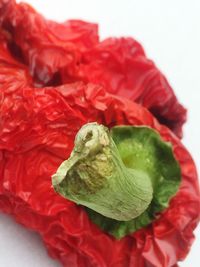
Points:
x=170, y=33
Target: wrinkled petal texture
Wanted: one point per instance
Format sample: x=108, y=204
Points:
x=38, y=127
x=67, y=52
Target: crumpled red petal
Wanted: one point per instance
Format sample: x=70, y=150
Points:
x=38, y=126
x=58, y=53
